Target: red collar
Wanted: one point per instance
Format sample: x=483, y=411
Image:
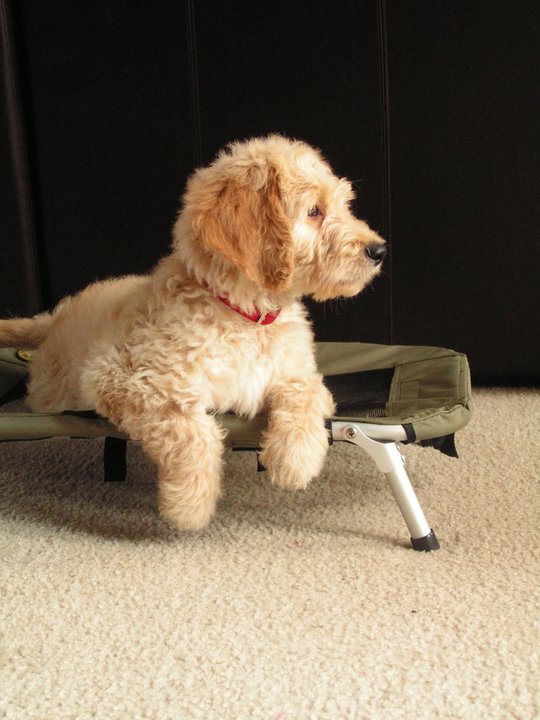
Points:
x=255, y=317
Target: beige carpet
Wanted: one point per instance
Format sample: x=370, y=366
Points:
x=289, y=606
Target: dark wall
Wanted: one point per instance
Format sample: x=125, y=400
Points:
x=19, y=281
x=104, y=89
x=465, y=213
x=426, y=106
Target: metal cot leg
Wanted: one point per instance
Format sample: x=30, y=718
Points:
x=422, y=536
x=390, y=461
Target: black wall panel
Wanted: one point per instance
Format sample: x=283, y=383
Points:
x=108, y=103
x=465, y=214
x=13, y=298
x=20, y=276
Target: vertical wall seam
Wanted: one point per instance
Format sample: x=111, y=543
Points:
x=19, y=155
x=193, y=70
x=386, y=159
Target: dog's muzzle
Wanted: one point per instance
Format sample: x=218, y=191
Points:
x=376, y=253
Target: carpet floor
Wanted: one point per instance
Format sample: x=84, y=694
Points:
x=289, y=606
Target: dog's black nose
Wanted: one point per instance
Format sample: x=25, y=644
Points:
x=376, y=253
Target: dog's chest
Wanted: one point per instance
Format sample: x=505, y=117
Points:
x=235, y=376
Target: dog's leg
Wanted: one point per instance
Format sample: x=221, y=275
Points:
x=296, y=440
x=186, y=445
x=187, y=451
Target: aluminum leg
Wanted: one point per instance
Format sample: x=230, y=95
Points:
x=390, y=461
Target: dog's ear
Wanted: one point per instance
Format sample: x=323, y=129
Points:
x=248, y=226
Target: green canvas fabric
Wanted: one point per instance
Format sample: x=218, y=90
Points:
x=39, y=426
x=13, y=370
x=430, y=390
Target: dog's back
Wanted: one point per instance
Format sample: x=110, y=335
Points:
x=64, y=339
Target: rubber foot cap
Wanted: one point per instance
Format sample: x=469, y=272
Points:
x=426, y=544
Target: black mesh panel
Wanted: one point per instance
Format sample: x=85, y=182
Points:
x=361, y=394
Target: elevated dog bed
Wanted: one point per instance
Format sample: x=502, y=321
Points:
x=385, y=395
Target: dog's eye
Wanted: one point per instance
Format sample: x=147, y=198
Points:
x=314, y=211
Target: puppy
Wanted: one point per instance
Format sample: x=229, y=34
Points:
x=217, y=326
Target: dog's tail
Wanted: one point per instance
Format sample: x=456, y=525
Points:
x=24, y=332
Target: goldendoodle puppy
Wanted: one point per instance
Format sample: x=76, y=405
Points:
x=217, y=326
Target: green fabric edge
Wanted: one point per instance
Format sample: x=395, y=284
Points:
x=332, y=358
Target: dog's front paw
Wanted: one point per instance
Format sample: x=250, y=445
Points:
x=188, y=498
x=293, y=457
x=183, y=512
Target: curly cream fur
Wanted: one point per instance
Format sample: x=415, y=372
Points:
x=160, y=355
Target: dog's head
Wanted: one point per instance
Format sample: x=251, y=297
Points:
x=270, y=212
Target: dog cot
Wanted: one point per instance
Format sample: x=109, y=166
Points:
x=385, y=395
